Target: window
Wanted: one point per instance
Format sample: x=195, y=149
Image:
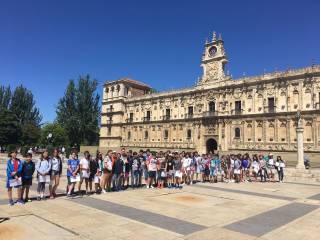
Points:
x=167, y=116
x=126, y=91
x=129, y=135
x=107, y=90
x=212, y=106
x=237, y=132
x=189, y=134
x=166, y=134
x=148, y=114
x=271, y=106
x=146, y=135
x=237, y=107
x=109, y=131
x=131, y=117
x=190, y=110
x=118, y=88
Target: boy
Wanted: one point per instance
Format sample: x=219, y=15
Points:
x=28, y=168
x=14, y=168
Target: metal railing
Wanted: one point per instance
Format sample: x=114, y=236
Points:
x=236, y=111
x=166, y=117
x=146, y=119
x=210, y=114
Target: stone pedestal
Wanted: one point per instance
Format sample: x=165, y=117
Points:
x=300, y=152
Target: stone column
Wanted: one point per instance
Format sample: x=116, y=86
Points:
x=299, y=131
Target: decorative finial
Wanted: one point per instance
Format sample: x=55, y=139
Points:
x=214, y=36
x=207, y=41
x=220, y=36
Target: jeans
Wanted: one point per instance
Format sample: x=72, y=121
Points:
x=263, y=174
x=135, y=178
x=280, y=173
x=116, y=182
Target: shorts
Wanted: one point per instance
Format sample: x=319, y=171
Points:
x=213, y=172
x=8, y=185
x=170, y=173
x=126, y=174
x=152, y=174
x=178, y=174
x=54, y=173
x=91, y=176
x=26, y=182
x=206, y=171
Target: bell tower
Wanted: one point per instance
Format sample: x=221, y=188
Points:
x=213, y=61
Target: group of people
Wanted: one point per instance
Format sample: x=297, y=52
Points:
x=117, y=171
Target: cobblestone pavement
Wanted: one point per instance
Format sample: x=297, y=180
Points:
x=201, y=211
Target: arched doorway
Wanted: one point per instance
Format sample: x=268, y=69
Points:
x=212, y=145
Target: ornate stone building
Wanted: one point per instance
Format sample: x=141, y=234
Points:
x=218, y=113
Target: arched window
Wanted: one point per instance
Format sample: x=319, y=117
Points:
x=212, y=106
x=189, y=134
x=237, y=132
x=107, y=90
x=112, y=88
x=129, y=135
x=146, y=135
x=166, y=134
x=118, y=87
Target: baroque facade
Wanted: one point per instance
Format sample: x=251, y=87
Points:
x=218, y=113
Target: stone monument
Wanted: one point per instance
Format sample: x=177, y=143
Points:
x=300, y=151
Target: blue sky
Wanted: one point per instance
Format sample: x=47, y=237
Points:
x=43, y=43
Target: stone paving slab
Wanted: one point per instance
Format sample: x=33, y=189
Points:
x=268, y=221
x=168, y=223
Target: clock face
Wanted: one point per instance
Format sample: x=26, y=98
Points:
x=212, y=51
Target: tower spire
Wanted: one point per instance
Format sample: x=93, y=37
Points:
x=214, y=36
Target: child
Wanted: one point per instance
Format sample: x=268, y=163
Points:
x=56, y=171
x=84, y=171
x=43, y=168
x=73, y=169
x=14, y=168
x=28, y=168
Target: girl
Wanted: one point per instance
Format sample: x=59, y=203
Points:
x=43, y=168
x=94, y=174
x=84, y=171
x=152, y=170
x=72, y=172
x=14, y=168
x=255, y=167
x=169, y=170
x=280, y=165
x=56, y=171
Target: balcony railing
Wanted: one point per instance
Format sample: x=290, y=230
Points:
x=109, y=121
x=166, y=117
x=188, y=115
x=129, y=120
x=210, y=114
x=109, y=110
x=269, y=109
x=146, y=119
x=236, y=111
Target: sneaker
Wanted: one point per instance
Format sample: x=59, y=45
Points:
x=148, y=186
x=20, y=202
x=103, y=191
x=152, y=186
x=27, y=200
x=11, y=202
x=51, y=197
x=38, y=198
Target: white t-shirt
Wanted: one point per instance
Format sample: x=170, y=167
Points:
x=84, y=163
x=186, y=162
x=152, y=164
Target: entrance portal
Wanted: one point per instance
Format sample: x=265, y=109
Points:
x=211, y=145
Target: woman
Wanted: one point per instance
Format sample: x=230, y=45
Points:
x=55, y=173
x=14, y=168
x=280, y=165
x=43, y=168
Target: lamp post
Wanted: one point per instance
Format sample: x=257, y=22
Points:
x=299, y=132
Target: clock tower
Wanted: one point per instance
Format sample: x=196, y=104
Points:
x=213, y=61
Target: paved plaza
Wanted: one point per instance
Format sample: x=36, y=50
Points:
x=201, y=211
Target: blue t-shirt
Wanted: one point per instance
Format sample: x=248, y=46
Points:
x=245, y=163
x=73, y=163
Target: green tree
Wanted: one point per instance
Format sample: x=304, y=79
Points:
x=23, y=105
x=30, y=134
x=58, y=138
x=79, y=111
x=10, y=130
x=5, y=97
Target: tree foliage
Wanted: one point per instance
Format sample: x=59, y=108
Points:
x=59, y=135
x=20, y=118
x=78, y=111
